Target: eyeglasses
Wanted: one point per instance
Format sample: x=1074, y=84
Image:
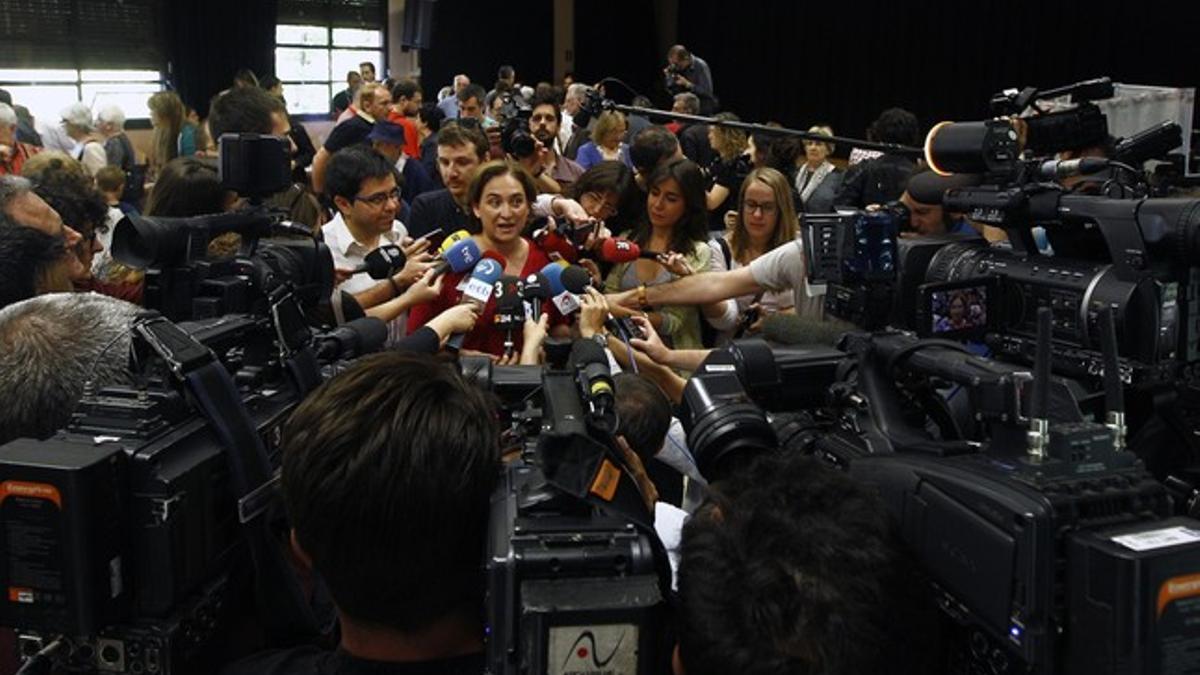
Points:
x=379, y=199
x=767, y=208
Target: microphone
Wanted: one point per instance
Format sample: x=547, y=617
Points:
x=351, y=339
x=460, y=257
x=576, y=279
x=383, y=262
x=590, y=363
x=487, y=255
x=563, y=299
x=789, y=329
x=553, y=242
x=510, y=309
x=478, y=291
x=1066, y=168
x=536, y=289
x=452, y=239
x=623, y=250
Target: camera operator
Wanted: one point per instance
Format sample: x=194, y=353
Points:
x=54, y=345
x=556, y=173
x=388, y=469
x=687, y=72
x=362, y=186
x=793, y=567
x=923, y=197
x=460, y=151
x=882, y=179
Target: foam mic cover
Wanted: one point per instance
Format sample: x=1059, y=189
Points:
x=790, y=329
x=460, y=257
x=353, y=338
x=452, y=239
x=619, y=251
x=383, y=262
x=576, y=279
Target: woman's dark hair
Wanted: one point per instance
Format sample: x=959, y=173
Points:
x=186, y=186
x=484, y=175
x=268, y=82
x=693, y=226
x=606, y=176
x=80, y=205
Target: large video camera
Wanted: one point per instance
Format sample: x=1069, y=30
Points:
x=1047, y=547
x=515, y=137
x=577, y=579
x=142, y=534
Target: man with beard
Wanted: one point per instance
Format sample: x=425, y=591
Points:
x=552, y=171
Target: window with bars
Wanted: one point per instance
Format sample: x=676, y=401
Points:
x=58, y=52
x=318, y=41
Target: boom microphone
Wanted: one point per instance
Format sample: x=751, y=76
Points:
x=590, y=363
x=789, y=329
x=351, y=339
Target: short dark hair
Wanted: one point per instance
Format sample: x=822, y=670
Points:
x=244, y=110
x=349, y=167
x=80, y=205
x=268, y=82
x=26, y=256
x=506, y=73
x=652, y=146
x=406, y=88
x=550, y=100
x=432, y=116
x=367, y=63
x=606, y=176
x=472, y=91
x=896, y=125
x=792, y=567
x=246, y=78
x=388, y=469
x=454, y=134
x=644, y=414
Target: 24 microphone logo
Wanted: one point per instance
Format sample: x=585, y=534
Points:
x=593, y=650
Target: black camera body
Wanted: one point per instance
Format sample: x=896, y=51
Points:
x=515, y=137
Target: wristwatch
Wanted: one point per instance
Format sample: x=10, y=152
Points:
x=600, y=339
x=641, y=295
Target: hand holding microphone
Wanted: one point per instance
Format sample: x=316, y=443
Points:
x=477, y=291
x=458, y=257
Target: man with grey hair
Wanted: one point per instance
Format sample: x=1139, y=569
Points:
x=118, y=149
x=13, y=153
x=572, y=102
x=52, y=346
x=75, y=135
x=449, y=105
x=693, y=137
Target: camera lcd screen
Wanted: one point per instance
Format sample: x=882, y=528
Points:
x=958, y=310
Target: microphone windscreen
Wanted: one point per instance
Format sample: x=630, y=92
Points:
x=576, y=279
x=553, y=242
x=584, y=352
x=453, y=239
x=553, y=273
x=463, y=255
x=619, y=251
x=384, y=261
x=789, y=329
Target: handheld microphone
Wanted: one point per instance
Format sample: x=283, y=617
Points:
x=590, y=363
x=576, y=279
x=553, y=242
x=460, y=257
x=478, y=292
x=452, y=239
x=623, y=250
x=487, y=255
x=563, y=299
x=383, y=262
x=1066, y=168
x=510, y=309
x=351, y=339
x=536, y=290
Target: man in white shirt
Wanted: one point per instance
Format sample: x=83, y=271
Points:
x=361, y=183
x=571, y=104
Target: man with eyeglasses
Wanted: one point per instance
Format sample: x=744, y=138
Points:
x=361, y=184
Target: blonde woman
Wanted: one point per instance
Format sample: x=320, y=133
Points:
x=727, y=171
x=765, y=219
x=606, y=144
x=174, y=135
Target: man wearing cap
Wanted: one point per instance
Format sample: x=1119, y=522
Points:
x=388, y=139
x=923, y=197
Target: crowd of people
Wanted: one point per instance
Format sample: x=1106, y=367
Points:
x=790, y=567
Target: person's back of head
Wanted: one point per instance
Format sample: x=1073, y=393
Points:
x=245, y=78
x=50, y=162
x=388, y=469
x=652, y=146
x=687, y=103
x=78, y=203
x=242, y=110
x=431, y=116
x=110, y=180
x=896, y=125
x=186, y=186
x=31, y=263
x=49, y=347
x=644, y=414
x=111, y=117
x=792, y=567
